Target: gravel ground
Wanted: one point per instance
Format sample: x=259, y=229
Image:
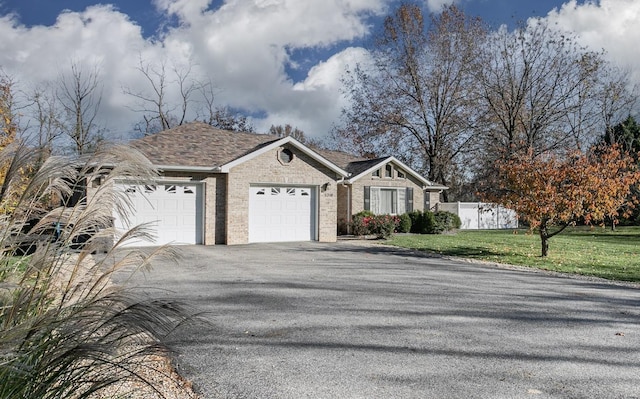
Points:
x=158, y=371
x=161, y=374
x=348, y=320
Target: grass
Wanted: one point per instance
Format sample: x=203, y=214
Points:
x=598, y=252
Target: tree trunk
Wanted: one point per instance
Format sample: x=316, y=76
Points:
x=544, y=240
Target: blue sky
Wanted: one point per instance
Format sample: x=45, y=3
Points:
x=279, y=60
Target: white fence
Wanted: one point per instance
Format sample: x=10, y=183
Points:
x=478, y=215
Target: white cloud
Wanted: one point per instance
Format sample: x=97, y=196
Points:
x=99, y=37
x=315, y=104
x=612, y=25
x=246, y=45
x=437, y=5
x=243, y=46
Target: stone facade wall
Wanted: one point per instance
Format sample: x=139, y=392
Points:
x=267, y=169
x=434, y=199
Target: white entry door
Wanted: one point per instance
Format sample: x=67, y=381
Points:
x=173, y=212
x=278, y=214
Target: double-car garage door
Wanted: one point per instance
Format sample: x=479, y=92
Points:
x=174, y=213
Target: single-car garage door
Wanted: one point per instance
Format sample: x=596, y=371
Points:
x=174, y=212
x=278, y=214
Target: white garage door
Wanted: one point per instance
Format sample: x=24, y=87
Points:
x=174, y=212
x=278, y=214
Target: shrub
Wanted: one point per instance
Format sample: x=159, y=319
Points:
x=445, y=221
x=404, y=225
x=360, y=223
x=416, y=223
x=383, y=226
x=422, y=222
x=366, y=223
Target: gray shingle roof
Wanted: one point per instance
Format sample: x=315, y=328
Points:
x=198, y=144
x=349, y=162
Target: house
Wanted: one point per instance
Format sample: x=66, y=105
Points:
x=221, y=187
x=382, y=186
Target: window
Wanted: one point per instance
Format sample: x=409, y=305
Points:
x=376, y=173
x=387, y=201
x=148, y=189
x=401, y=174
x=286, y=156
x=388, y=171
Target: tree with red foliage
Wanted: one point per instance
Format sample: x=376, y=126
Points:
x=557, y=191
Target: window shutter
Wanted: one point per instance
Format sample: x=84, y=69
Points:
x=367, y=198
x=409, y=200
x=401, y=203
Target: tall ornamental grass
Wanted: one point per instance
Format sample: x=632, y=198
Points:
x=65, y=330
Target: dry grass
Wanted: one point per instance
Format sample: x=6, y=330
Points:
x=65, y=330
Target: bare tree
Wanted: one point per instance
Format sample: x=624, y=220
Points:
x=80, y=95
x=159, y=112
x=537, y=91
x=617, y=99
x=219, y=116
x=174, y=97
x=414, y=101
x=542, y=94
x=286, y=131
x=47, y=113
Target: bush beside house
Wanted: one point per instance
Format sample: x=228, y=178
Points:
x=365, y=223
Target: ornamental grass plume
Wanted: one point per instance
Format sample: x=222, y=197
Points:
x=65, y=330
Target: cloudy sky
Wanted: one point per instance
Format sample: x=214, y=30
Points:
x=279, y=61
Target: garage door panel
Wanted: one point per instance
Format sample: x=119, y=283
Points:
x=281, y=214
x=170, y=205
x=173, y=212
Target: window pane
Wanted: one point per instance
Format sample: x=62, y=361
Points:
x=388, y=201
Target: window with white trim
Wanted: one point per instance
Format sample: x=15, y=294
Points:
x=387, y=200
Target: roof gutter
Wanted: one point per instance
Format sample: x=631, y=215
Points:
x=202, y=169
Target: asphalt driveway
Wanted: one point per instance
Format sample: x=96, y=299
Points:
x=345, y=320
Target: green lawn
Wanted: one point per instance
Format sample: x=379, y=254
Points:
x=587, y=251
